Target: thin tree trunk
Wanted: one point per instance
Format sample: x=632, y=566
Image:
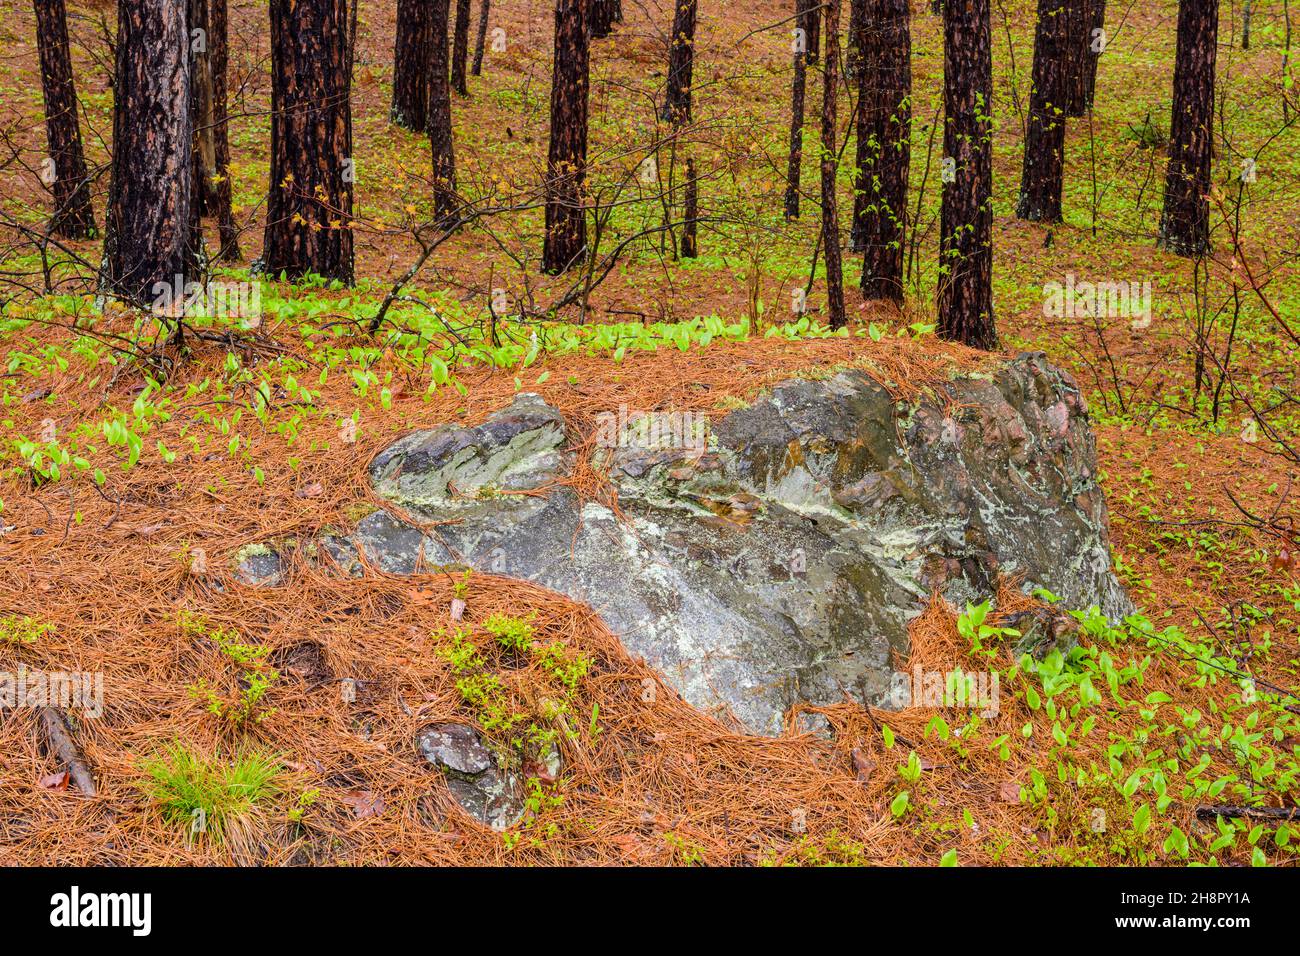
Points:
x=219, y=58
x=73, y=216
x=690, y=214
x=1246, y=12
x=966, y=217
x=884, y=147
x=677, y=111
x=681, y=64
x=813, y=25
x=485, y=8
x=460, y=49
x=566, y=225
x=410, y=107
x=147, y=234
x=798, y=91
x=830, y=213
x=1185, y=223
x=1044, y=164
x=441, y=142
x=309, y=211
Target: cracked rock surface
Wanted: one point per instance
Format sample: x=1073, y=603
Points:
x=781, y=561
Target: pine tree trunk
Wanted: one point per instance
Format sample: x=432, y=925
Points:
x=798, y=92
x=966, y=217
x=480, y=43
x=566, y=226
x=601, y=16
x=410, y=106
x=309, y=210
x=205, y=151
x=219, y=59
x=681, y=64
x=147, y=234
x=830, y=211
x=812, y=24
x=73, y=216
x=460, y=49
x=1044, y=164
x=1096, y=45
x=1185, y=224
x=690, y=214
x=677, y=111
x=1078, y=20
x=884, y=147
x=439, y=120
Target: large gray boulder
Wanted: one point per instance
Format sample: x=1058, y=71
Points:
x=782, y=560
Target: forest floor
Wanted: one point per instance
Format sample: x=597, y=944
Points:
x=132, y=474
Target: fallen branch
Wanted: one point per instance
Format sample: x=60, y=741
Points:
x=59, y=737
x=1258, y=813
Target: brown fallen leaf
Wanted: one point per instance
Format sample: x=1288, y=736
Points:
x=1010, y=791
x=55, y=781
x=863, y=765
x=364, y=803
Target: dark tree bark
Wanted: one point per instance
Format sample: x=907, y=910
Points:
x=219, y=59
x=1083, y=17
x=73, y=216
x=309, y=211
x=601, y=14
x=1247, y=10
x=884, y=151
x=203, y=148
x=830, y=212
x=677, y=111
x=966, y=217
x=1096, y=46
x=1044, y=165
x=690, y=214
x=480, y=43
x=798, y=91
x=566, y=225
x=1185, y=224
x=460, y=49
x=410, y=106
x=439, y=118
x=857, y=38
x=146, y=240
x=812, y=24
x=681, y=64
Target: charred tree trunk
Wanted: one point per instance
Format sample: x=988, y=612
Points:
x=410, y=107
x=73, y=216
x=147, y=234
x=481, y=42
x=566, y=225
x=690, y=214
x=602, y=15
x=439, y=119
x=681, y=64
x=309, y=210
x=884, y=147
x=1096, y=41
x=812, y=25
x=1083, y=47
x=1185, y=224
x=966, y=217
x=830, y=164
x=798, y=92
x=677, y=111
x=203, y=148
x=460, y=49
x=219, y=60
x=1044, y=165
